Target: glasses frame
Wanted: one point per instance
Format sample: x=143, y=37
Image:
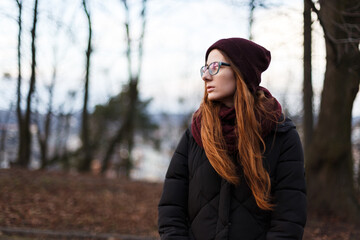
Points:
x=207, y=68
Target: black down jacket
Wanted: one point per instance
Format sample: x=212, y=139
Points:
x=198, y=204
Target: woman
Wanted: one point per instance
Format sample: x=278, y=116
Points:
x=238, y=172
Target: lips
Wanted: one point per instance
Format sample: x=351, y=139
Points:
x=210, y=88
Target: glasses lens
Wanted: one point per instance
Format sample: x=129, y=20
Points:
x=213, y=68
x=202, y=70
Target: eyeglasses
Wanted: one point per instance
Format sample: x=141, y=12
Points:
x=213, y=68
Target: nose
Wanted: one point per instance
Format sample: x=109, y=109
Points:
x=206, y=76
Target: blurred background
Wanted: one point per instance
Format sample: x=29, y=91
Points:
x=106, y=88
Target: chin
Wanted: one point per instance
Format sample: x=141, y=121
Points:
x=213, y=97
x=221, y=99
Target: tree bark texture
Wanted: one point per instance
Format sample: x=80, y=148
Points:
x=307, y=84
x=329, y=168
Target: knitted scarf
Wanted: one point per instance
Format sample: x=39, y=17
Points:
x=227, y=117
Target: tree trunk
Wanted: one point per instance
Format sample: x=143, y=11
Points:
x=18, y=89
x=86, y=158
x=251, y=18
x=111, y=147
x=63, y=128
x=3, y=136
x=127, y=129
x=330, y=166
x=307, y=85
x=65, y=152
x=133, y=95
x=44, y=137
x=25, y=134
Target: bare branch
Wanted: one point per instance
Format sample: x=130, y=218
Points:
x=141, y=40
x=347, y=40
x=128, y=38
x=352, y=30
x=349, y=14
x=328, y=37
x=355, y=8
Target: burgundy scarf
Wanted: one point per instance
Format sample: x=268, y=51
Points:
x=227, y=117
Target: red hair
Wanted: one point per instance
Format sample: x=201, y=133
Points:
x=249, y=109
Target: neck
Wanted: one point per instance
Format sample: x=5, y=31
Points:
x=229, y=103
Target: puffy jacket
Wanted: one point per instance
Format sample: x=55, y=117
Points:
x=197, y=203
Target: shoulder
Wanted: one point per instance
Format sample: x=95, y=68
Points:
x=290, y=135
x=283, y=145
x=284, y=131
x=183, y=143
x=284, y=125
x=187, y=141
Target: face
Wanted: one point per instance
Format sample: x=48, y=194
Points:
x=220, y=87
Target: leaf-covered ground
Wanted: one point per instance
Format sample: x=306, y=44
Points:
x=73, y=202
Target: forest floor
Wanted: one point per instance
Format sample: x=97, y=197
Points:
x=43, y=204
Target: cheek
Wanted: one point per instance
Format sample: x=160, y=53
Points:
x=229, y=85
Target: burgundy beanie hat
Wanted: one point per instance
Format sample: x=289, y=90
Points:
x=250, y=58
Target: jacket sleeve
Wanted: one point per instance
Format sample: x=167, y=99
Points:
x=173, y=221
x=289, y=216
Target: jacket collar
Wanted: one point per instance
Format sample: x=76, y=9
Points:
x=284, y=125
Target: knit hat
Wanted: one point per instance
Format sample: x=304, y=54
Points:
x=250, y=58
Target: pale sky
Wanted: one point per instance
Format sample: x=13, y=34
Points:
x=177, y=36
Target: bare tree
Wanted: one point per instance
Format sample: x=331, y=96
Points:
x=18, y=88
x=85, y=159
x=126, y=130
x=24, y=155
x=307, y=84
x=63, y=128
x=330, y=164
x=44, y=129
x=43, y=136
x=253, y=5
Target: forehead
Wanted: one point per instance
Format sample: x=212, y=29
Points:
x=214, y=56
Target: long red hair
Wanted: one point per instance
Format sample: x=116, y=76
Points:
x=250, y=108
